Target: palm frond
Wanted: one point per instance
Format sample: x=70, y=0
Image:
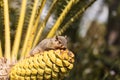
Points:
x=43, y=23
x=35, y=26
x=29, y=8
x=29, y=18
x=19, y=31
x=1, y=22
x=29, y=29
x=75, y=17
x=61, y=18
x=7, y=30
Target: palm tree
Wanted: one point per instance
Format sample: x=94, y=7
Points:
x=22, y=27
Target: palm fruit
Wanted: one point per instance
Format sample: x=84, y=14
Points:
x=46, y=65
x=4, y=69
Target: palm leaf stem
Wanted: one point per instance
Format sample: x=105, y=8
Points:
x=0, y=50
x=7, y=30
x=30, y=25
x=19, y=30
x=61, y=18
x=43, y=24
x=34, y=29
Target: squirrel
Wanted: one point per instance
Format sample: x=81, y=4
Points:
x=57, y=42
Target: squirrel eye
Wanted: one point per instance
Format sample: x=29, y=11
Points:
x=59, y=41
x=56, y=37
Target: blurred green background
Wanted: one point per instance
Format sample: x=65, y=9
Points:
x=95, y=40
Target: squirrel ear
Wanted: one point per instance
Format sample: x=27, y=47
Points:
x=65, y=37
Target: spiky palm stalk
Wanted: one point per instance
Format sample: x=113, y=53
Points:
x=55, y=62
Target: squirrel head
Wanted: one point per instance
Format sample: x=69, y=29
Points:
x=62, y=40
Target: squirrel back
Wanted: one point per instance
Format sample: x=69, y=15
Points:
x=57, y=42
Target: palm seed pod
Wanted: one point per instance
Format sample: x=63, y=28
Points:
x=46, y=65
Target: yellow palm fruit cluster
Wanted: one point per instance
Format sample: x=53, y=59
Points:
x=46, y=65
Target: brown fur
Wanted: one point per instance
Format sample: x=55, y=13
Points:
x=58, y=42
